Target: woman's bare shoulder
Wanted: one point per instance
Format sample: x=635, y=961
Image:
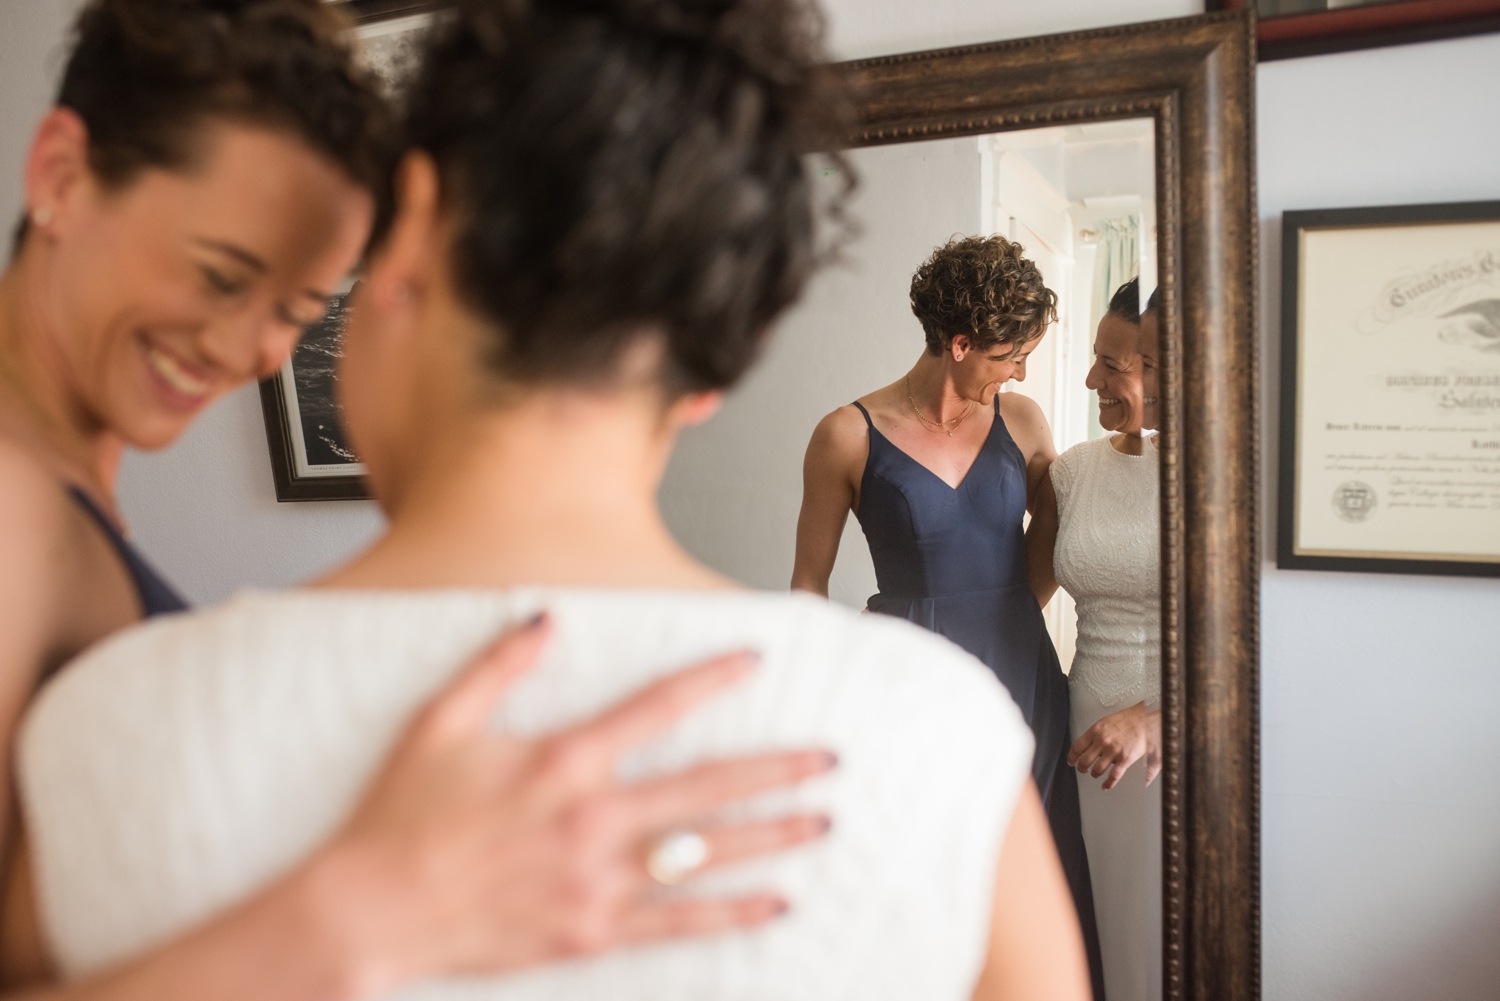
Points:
x=61, y=583
x=840, y=436
x=1027, y=424
x=33, y=512
x=34, y=569
x=847, y=425
x=1020, y=409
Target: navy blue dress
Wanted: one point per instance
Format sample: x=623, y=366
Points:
x=157, y=596
x=954, y=561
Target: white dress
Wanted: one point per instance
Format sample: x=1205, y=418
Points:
x=1108, y=557
x=178, y=767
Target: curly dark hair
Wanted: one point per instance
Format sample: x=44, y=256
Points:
x=620, y=167
x=1126, y=302
x=146, y=76
x=983, y=288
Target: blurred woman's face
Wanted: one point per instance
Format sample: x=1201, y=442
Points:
x=1116, y=375
x=157, y=298
x=979, y=374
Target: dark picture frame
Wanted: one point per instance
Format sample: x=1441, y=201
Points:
x=1195, y=78
x=1390, y=22
x=1290, y=554
x=310, y=458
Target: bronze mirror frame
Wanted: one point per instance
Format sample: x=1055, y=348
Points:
x=1195, y=78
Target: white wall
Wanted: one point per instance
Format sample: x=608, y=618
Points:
x=1381, y=810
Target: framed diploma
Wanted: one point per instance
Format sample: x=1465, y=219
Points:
x=1390, y=391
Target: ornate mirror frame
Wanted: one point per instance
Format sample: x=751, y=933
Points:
x=1195, y=77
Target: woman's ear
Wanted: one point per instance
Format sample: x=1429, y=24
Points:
x=696, y=408
x=57, y=168
x=401, y=270
x=959, y=346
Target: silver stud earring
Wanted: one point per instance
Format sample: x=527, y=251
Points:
x=42, y=215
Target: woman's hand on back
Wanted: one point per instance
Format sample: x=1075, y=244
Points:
x=479, y=852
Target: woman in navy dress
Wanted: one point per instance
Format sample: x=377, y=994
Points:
x=940, y=468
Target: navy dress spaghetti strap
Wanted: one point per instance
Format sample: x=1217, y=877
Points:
x=953, y=560
x=157, y=596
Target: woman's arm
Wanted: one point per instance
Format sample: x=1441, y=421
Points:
x=1041, y=544
x=1029, y=430
x=478, y=852
x=1036, y=947
x=839, y=444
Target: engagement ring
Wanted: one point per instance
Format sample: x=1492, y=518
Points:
x=675, y=856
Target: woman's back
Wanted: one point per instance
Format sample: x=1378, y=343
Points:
x=176, y=769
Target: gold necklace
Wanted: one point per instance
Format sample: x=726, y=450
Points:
x=939, y=425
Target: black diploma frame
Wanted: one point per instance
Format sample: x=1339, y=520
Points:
x=1390, y=390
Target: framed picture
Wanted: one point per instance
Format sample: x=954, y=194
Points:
x=1291, y=28
x=310, y=454
x=1390, y=390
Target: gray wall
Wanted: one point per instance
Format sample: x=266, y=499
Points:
x=1381, y=814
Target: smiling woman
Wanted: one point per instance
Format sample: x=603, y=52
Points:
x=941, y=469
x=190, y=189
x=205, y=179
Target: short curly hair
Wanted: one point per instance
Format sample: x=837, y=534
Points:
x=983, y=288
x=147, y=76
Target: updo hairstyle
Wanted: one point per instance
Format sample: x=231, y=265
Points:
x=147, y=76
x=983, y=288
x=617, y=168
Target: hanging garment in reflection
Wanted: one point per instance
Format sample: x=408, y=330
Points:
x=1118, y=260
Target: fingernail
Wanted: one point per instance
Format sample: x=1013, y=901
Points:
x=830, y=760
x=825, y=824
x=536, y=620
x=780, y=907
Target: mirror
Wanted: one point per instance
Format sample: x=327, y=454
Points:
x=1079, y=203
x=1103, y=156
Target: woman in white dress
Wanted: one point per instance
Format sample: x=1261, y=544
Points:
x=1096, y=532
x=205, y=178
x=603, y=209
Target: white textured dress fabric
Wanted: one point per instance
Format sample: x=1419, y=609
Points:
x=1108, y=558
x=179, y=767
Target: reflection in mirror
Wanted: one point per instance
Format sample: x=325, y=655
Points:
x=975, y=383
